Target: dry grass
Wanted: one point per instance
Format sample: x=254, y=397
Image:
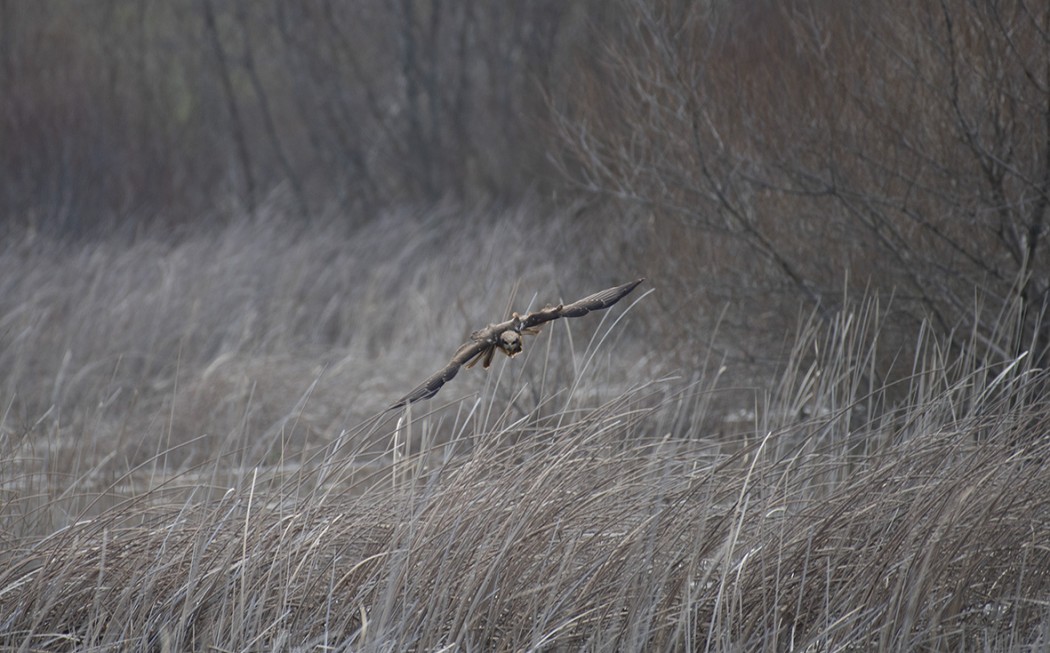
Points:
x=187, y=461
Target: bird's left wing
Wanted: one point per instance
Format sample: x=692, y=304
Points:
x=580, y=307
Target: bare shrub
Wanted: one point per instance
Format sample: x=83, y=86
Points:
x=813, y=147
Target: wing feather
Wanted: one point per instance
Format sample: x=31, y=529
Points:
x=598, y=301
x=580, y=307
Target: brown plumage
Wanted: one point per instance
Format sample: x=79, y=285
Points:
x=506, y=337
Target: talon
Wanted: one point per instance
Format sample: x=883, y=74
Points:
x=481, y=354
x=488, y=357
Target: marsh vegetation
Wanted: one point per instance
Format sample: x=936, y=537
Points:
x=234, y=233
x=191, y=458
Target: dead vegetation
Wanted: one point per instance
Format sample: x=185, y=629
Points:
x=820, y=426
x=181, y=469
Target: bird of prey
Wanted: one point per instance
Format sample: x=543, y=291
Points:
x=506, y=337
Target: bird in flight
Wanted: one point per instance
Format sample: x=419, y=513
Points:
x=506, y=337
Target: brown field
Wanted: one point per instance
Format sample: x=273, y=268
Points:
x=190, y=460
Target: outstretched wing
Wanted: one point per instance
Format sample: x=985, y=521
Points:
x=598, y=300
x=595, y=302
x=430, y=387
x=484, y=340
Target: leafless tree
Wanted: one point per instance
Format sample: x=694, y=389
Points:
x=904, y=148
x=137, y=107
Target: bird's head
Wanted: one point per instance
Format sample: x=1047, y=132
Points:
x=509, y=342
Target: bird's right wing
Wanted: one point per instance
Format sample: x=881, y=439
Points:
x=430, y=387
